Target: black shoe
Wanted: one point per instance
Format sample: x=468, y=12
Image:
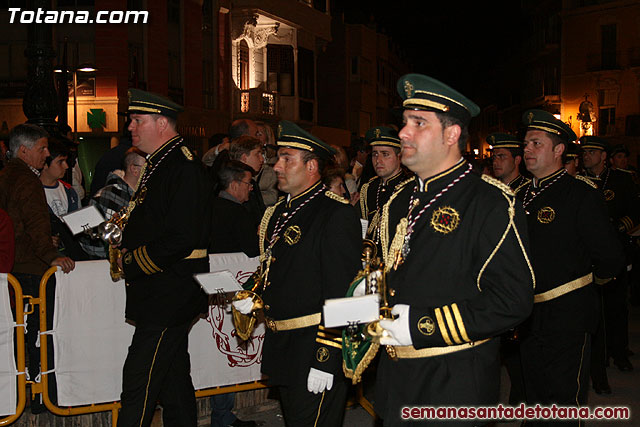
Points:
x=603, y=388
x=241, y=423
x=623, y=364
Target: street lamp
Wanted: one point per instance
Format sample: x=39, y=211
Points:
x=83, y=68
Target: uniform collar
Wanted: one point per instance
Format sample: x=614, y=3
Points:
x=157, y=155
x=542, y=181
x=515, y=181
x=295, y=201
x=593, y=176
x=442, y=177
x=392, y=179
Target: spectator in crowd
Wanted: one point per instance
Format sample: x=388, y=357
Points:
x=115, y=196
x=217, y=143
x=111, y=160
x=61, y=199
x=267, y=180
x=3, y=154
x=342, y=161
x=22, y=197
x=7, y=244
x=232, y=230
x=237, y=129
x=361, y=165
x=248, y=150
x=333, y=178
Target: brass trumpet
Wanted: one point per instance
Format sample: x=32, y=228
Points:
x=361, y=341
x=375, y=282
x=111, y=232
x=246, y=323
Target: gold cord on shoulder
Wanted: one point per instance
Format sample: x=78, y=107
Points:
x=264, y=224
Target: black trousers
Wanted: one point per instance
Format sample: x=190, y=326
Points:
x=599, y=347
x=304, y=409
x=157, y=368
x=556, y=369
x=616, y=314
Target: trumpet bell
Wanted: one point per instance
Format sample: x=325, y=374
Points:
x=246, y=323
x=111, y=233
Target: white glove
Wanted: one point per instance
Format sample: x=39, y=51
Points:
x=319, y=381
x=397, y=331
x=244, y=305
x=359, y=290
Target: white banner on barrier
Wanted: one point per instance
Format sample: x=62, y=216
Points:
x=91, y=338
x=8, y=371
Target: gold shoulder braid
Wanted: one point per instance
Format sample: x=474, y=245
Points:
x=384, y=226
x=511, y=212
x=586, y=180
x=363, y=201
x=264, y=224
x=497, y=183
x=330, y=194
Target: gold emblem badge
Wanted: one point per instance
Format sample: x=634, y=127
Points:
x=128, y=258
x=530, y=118
x=279, y=131
x=322, y=355
x=492, y=140
x=546, y=215
x=445, y=219
x=378, y=133
x=408, y=88
x=609, y=195
x=426, y=325
x=292, y=235
x=186, y=153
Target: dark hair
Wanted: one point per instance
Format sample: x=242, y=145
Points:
x=331, y=174
x=322, y=162
x=555, y=140
x=25, y=135
x=233, y=170
x=447, y=120
x=243, y=145
x=238, y=128
x=57, y=148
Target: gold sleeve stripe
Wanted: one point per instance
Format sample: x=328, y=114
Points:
x=458, y=316
x=452, y=326
x=151, y=263
x=328, y=336
x=627, y=222
x=142, y=265
x=329, y=343
x=442, y=326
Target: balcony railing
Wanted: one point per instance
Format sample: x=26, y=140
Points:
x=256, y=102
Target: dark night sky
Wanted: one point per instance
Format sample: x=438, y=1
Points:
x=459, y=42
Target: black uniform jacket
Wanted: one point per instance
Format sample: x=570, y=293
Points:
x=518, y=182
x=232, y=229
x=570, y=236
x=621, y=197
x=316, y=257
x=373, y=195
x=171, y=219
x=466, y=278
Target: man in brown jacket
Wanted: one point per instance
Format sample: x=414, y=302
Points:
x=22, y=197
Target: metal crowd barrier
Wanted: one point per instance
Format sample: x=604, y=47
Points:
x=42, y=387
x=20, y=351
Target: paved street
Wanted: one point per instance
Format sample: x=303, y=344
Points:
x=625, y=385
